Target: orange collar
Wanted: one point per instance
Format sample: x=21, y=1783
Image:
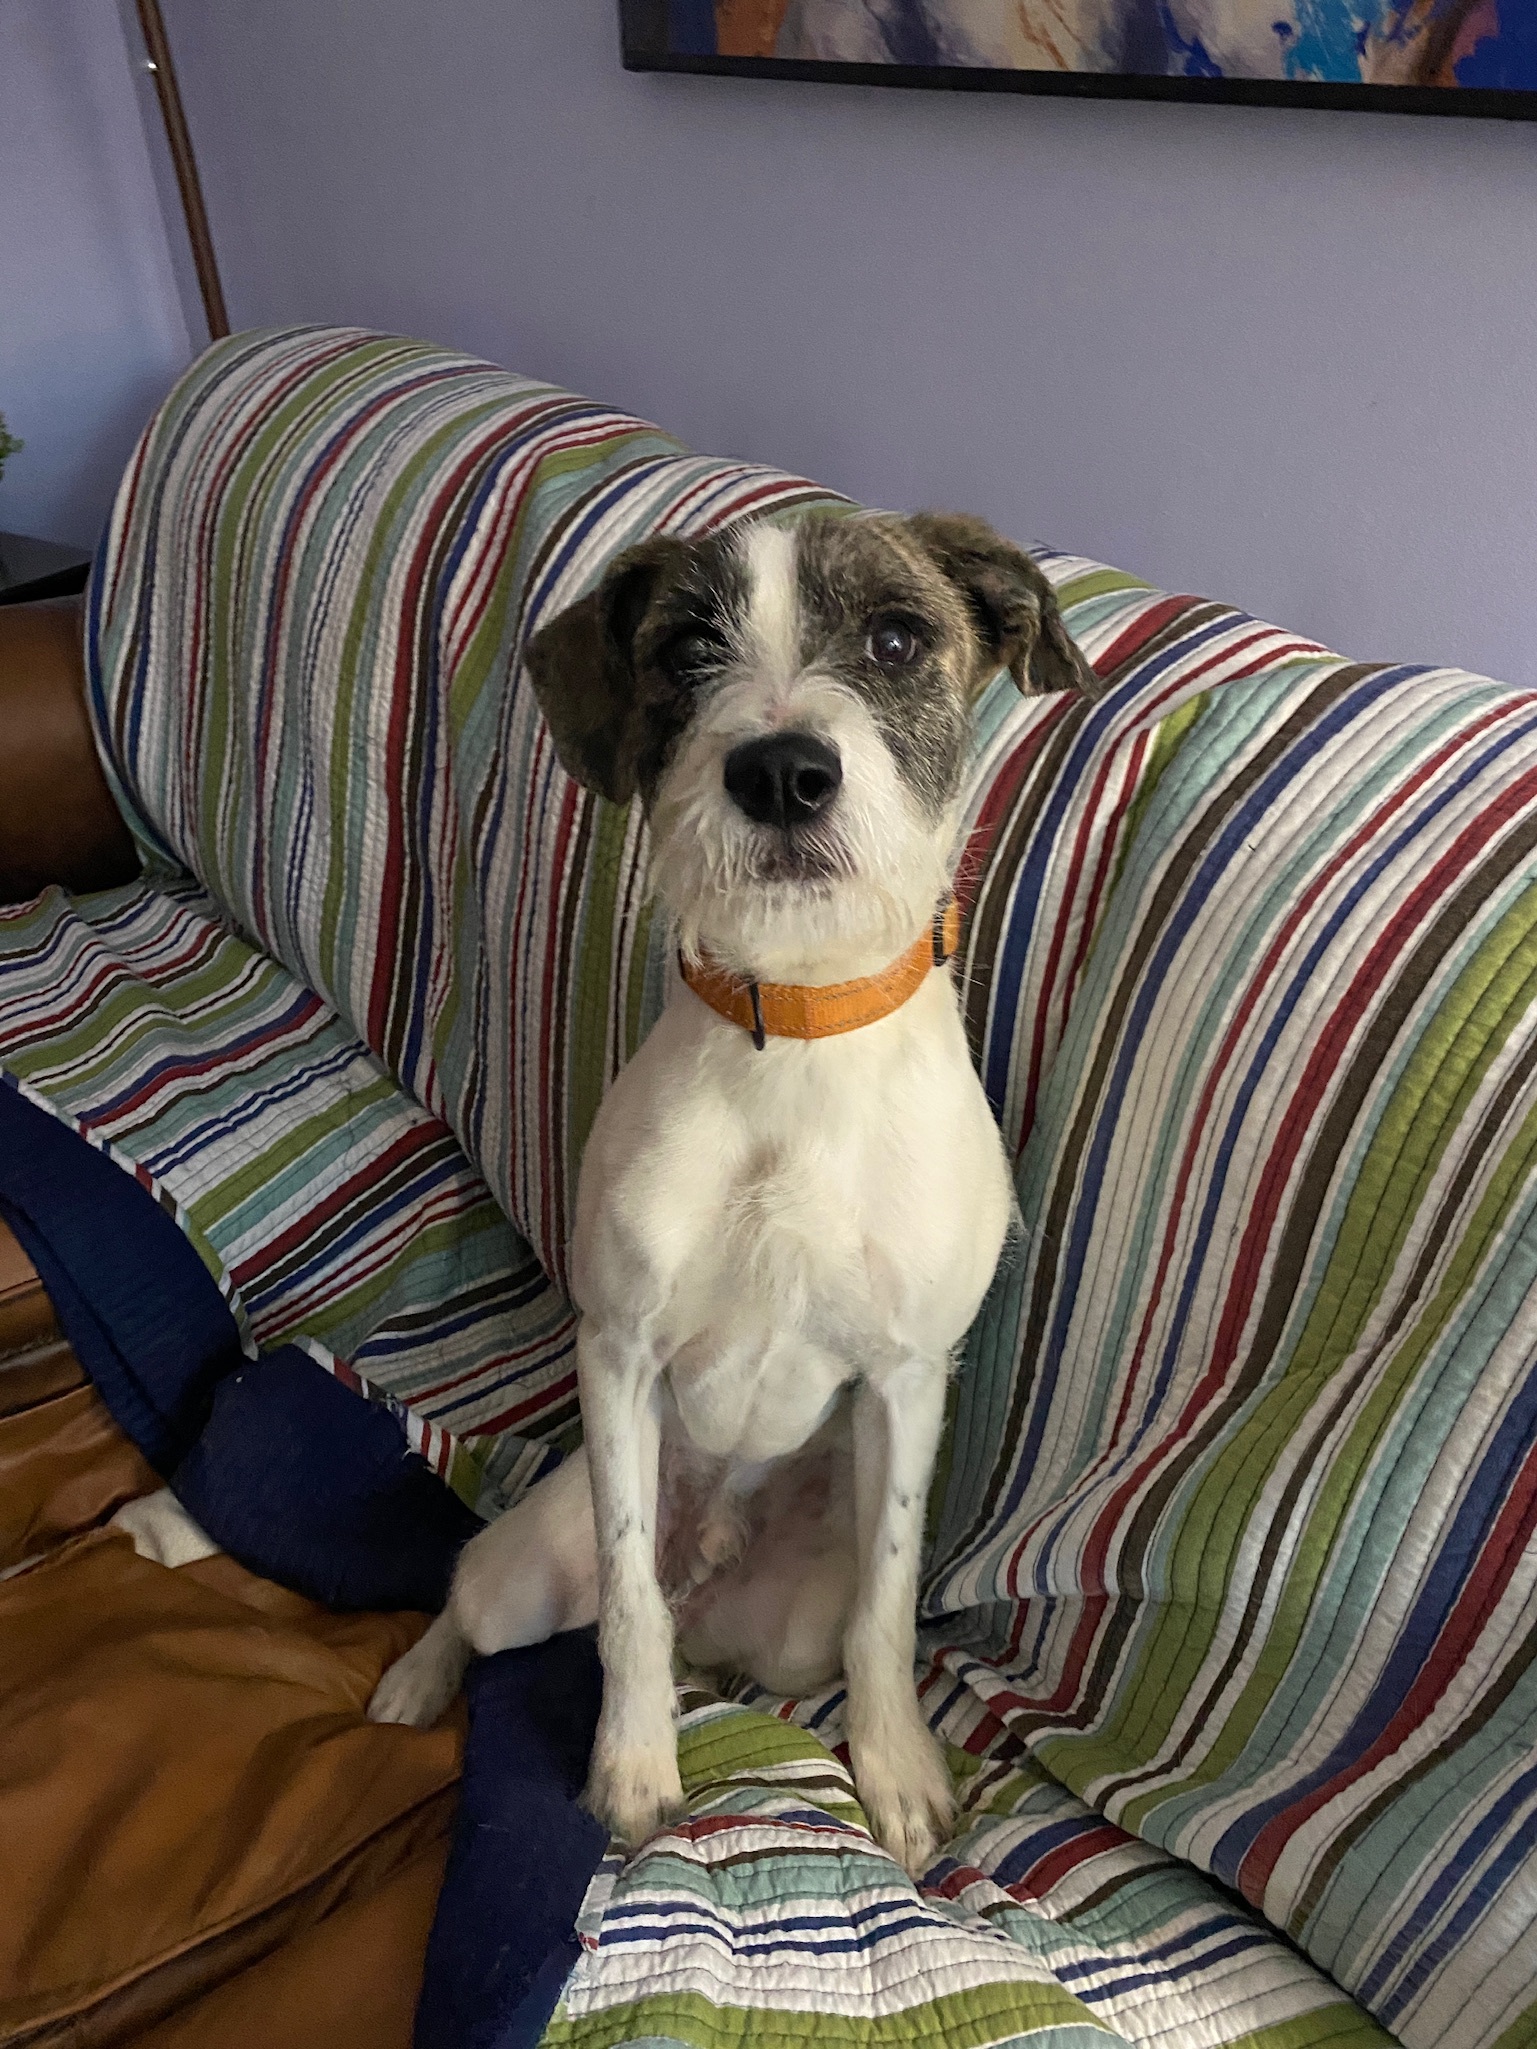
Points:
x=791, y=1010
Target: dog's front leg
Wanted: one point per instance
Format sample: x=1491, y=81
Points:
x=903, y=1783
x=633, y=1783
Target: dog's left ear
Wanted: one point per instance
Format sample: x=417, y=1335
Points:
x=1012, y=604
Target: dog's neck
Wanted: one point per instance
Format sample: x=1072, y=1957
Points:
x=847, y=960
x=814, y=947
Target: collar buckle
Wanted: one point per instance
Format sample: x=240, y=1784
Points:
x=947, y=930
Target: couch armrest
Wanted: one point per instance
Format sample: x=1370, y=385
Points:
x=26, y=1315
x=58, y=822
x=35, y=1361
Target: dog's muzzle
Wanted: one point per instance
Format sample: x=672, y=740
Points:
x=786, y=779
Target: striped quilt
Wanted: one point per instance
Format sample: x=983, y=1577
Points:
x=1230, y=1621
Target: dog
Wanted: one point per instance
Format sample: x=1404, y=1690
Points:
x=794, y=1196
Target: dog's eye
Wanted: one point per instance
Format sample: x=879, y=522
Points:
x=892, y=643
x=689, y=654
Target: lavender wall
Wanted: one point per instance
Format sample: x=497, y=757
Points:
x=1283, y=358
x=91, y=324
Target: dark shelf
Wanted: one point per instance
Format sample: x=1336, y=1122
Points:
x=40, y=569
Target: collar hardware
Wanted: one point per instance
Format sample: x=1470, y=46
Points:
x=793, y=1010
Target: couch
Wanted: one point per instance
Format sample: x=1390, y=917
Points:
x=1228, y=1616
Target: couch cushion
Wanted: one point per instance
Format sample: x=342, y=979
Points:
x=64, y=1464
x=350, y=1982
x=339, y=1926
x=184, y=1756
x=64, y=1467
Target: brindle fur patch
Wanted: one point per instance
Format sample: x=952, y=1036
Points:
x=615, y=705
x=701, y=605
x=850, y=572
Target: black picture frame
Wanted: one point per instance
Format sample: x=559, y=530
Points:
x=646, y=46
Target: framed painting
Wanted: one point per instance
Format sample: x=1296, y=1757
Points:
x=1409, y=56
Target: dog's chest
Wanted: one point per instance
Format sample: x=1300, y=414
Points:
x=784, y=1301
x=775, y=1230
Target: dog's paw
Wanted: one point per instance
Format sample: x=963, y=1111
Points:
x=418, y=1687
x=634, y=1790
x=904, y=1788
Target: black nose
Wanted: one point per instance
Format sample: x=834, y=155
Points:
x=788, y=779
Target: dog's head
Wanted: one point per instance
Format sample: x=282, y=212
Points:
x=792, y=705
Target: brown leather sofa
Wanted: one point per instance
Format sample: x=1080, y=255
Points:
x=205, y=1843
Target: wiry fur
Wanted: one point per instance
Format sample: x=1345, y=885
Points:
x=871, y=874
x=775, y=1251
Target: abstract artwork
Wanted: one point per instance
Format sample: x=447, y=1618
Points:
x=1423, y=56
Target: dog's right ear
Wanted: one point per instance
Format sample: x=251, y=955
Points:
x=582, y=666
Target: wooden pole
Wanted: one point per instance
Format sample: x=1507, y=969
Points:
x=185, y=164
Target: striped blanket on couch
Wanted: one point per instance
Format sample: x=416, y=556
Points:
x=1231, y=1610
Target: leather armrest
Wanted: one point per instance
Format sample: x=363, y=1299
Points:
x=26, y=1314
x=35, y=1361
x=58, y=822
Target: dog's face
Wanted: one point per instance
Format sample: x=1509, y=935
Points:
x=792, y=706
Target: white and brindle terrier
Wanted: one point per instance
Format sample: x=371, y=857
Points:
x=794, y=1196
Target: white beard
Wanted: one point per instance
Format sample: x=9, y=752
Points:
x=886, y=866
